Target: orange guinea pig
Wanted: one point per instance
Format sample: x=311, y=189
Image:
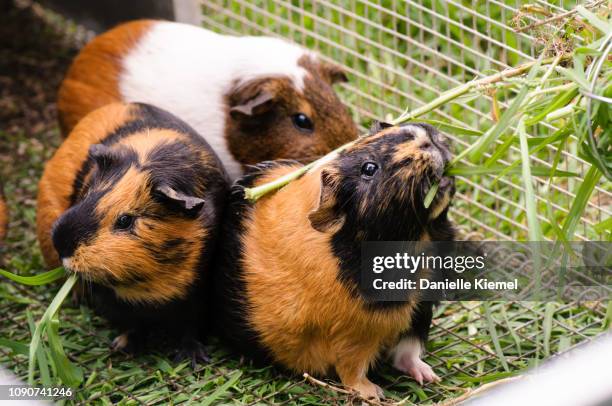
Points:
x=131, y=202
x=252, y=98
x=287, y=279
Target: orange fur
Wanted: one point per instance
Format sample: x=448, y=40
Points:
x=300, y=310
x=92, y=80
x=56, y=184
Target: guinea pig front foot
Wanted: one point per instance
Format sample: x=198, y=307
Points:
x=193, y=350
x=418, y=369
x=407, y=358
x=368, y=390
x=129, y=342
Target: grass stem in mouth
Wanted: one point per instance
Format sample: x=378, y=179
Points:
x=255, y=193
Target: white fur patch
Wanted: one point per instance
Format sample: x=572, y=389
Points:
x=409, y=347
x=188, y=70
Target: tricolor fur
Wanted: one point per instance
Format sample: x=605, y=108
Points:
x=241, y=93
x=287, y=281
x=131, y=202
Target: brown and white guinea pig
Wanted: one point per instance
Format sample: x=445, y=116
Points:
x=252, y=98
x=131, y=202
x=287, y=283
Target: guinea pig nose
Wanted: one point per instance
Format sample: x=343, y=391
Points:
x=64, y=240
x=426, y=145
x=74, y=227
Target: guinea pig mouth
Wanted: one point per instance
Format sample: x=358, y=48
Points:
x=86, y=274
x=445, y=183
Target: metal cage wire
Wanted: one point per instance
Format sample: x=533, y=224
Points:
x=401, y=54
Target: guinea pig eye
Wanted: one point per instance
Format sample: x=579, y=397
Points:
x=368, y=169
x=302, y=122
x=124, y=222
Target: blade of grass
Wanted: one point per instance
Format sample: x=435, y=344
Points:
x=36, y=280
x=455, y=129
x=15, y=346
x=547, y=326
x=580, y=201
x=464, y=170
x=605, y=225
x=39, y=355
x=494, y=337
x=533, y=224
x=35, y=344
x=68, y=372
x=513, y=334
x=220, y=391
x=594, y=20
x=431, y=194
x=477, y=149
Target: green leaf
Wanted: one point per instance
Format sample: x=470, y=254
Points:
x=39, y=354
x=36, y=280
x=452, y=128
x=534, y=228
x=220, y=391
x=68, y=372
x=559, y=102
x=494, y=337
x=431, y=194
x=587, y=51
x=575, y=77
x=506, y=120
x=15, y=346
x=605, y=225
x=464, y=170
x=549, y=312
x=594, y=20
x=57, y=301
x=580, y=201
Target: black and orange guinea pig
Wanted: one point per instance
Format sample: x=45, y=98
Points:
x=252, y=98
x=131, y=202
x=287, y=283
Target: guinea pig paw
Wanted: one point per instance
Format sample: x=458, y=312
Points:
x=418, y=369
x=120, y=343
x=369, y=390
x=195, y=352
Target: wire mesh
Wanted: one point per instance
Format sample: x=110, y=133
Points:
x=401, y=54
x=413, y=51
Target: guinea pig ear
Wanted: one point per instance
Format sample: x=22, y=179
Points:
x=103, y=156
x=334, y=73
x=326, y=215
x=259, y=104
x=379, y=126
x=182, y=201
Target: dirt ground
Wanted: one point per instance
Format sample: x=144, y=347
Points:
x=36, y=49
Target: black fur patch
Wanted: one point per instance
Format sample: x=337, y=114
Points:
x=77, y=225
x=230, y=317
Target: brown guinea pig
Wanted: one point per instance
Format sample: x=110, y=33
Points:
x=131, y=202
x=253, y=98
x=287, y=280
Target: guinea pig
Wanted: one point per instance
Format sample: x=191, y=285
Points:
x=253, y=98
x=286, y=282
x=131, y=202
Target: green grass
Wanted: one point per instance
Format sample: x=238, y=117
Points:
x=470, y=344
